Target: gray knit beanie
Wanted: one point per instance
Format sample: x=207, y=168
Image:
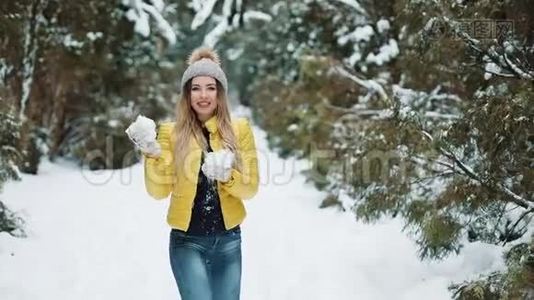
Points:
x=204, y=62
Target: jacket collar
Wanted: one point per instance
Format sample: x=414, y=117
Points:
x=211, y=124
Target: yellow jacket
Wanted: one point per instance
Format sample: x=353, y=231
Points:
x=161, y=178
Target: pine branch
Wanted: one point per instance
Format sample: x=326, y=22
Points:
x=437, y=115
x=501, y=60
x=359, y=114
x=465, y=170
x=517, y=70
x=523, y=215
x=370, y=85
x=427, y=162
x=355, y=5
x=437, y=175
x=525, y=203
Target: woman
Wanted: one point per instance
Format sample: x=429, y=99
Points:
x=207, y=192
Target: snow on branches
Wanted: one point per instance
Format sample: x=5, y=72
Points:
x=140, y=12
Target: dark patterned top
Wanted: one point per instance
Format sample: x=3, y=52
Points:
x=207, y=218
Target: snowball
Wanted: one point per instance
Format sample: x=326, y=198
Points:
x=218, y=164
x=142, y=132
x=222, y=158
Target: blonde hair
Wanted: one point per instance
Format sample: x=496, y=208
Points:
x=188, y=126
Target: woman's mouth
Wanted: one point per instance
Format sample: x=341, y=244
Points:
x=203, y=104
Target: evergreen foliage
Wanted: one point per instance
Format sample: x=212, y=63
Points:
x=420, y=110
x=10, y=222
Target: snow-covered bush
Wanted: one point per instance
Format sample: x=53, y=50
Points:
x=9, y=157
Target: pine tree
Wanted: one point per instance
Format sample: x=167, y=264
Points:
x=9, y=156
x=438, y=133
x=79, y=72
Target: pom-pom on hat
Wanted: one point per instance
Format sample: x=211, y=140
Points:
x=204, y=62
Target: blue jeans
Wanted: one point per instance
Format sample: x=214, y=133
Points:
x=206, y=267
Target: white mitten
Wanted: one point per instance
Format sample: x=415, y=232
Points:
x=218, y=165
x=142, y=133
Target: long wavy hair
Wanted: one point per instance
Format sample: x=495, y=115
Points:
x=188, y=127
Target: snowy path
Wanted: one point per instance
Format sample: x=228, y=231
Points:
x=99, y=236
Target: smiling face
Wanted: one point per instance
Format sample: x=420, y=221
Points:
x=204, y=96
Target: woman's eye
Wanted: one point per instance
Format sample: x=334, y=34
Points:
x=208, y=88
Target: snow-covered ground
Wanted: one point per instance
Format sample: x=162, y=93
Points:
x=99, y=236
